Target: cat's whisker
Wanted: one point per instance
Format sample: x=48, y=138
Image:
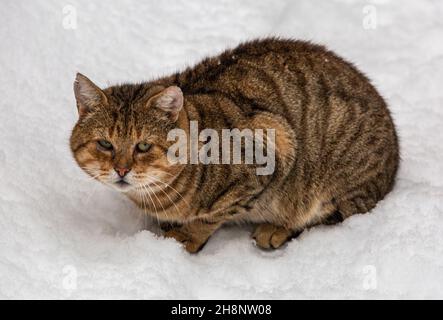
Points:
x=178, y=211
x=138, y=214
x=148, y=176
x=89, y=178
x=155, y=207
x=142, y=213
x=144, y=202
x=155, y=195
x=167, y=185
x=93, y=173
x=94, y=177
x=142, y=198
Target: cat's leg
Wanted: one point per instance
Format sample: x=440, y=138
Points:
x=354, y=205
x=196, y=233
x=358, y=200
x=270, y=236
x=193, y=235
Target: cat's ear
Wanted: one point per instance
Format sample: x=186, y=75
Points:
x=169, y=100
x=87, y=94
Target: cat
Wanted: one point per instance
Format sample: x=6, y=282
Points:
x=336, y=148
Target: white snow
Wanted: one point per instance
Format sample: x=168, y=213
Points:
x=64, y=236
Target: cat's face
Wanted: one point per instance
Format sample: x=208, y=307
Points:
x=120, y=138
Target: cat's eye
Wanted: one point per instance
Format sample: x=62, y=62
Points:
x=143, y=147
x=105, y=144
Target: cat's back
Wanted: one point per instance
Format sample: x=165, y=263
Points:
x=280, y=76
x=277, y=55
x=307, y=84
x=337, y=115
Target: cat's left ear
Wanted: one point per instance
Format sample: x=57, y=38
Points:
x=87, y=94
x=169, y=100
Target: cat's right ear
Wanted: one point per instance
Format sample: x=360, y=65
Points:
x=170, y=100
x=87, y=95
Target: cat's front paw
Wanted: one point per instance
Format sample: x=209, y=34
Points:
x=192, y=242
x=269, y=236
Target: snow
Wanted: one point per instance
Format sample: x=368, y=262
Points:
x=64, y=236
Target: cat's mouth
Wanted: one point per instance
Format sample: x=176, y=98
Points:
x=122, y=185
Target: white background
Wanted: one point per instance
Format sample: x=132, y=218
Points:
x=64, y=236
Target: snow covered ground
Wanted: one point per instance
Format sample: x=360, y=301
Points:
x=64, y=236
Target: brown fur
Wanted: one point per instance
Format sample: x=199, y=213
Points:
x=336, y=145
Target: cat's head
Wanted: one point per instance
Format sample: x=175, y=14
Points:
x=120, y=138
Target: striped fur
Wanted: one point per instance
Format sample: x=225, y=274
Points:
x=337, y=150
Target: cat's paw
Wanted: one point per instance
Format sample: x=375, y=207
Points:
x=192, y=243
x=269, y=236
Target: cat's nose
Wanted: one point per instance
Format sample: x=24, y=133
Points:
x=122, y=171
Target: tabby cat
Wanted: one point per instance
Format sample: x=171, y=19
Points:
x=336, y=149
